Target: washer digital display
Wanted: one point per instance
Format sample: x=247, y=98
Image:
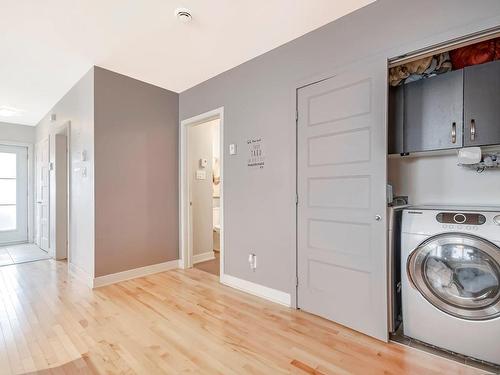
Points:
x=460, y=218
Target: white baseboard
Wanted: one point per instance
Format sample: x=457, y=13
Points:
x=134, y=273
x=203, y=257
x=257, y=290
x=80, y=274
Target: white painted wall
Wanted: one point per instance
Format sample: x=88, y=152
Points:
x=438, y=180
x=216, y=155
x=200, y=146
x=77, y=106
x=17, y=133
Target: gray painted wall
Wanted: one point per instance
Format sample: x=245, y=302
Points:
x=77, y=106
x=136, y=173
x=258, y=100
x=17, y=133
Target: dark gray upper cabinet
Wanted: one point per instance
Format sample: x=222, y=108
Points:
x=426, y=115
x=451, y=110
x=396, y=119
x=482, y=104
x=433, y=112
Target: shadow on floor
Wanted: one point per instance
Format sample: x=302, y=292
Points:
x=16, y=254
x=210, y=266
x=400, y=338
x=81, y=366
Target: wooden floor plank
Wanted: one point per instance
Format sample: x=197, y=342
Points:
x=178, y=322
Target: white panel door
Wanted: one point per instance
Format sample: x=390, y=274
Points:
x=13, y=194
x=341, y=182
x=42, y=195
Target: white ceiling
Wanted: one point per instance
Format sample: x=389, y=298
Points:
x=46, y=46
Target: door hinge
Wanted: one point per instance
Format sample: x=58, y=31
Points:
x=296, y=281
x=296, y=115
x=296, y=199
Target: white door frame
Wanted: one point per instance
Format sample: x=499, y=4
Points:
x=31, y=179
x=65, y=129
x=185, y=242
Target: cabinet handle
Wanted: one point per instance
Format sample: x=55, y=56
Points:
x=472, y=130
x=454, y=133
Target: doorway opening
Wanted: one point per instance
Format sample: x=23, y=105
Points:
x=16, y=205
x=201, y=187
x=52, y=193
x=13, y=194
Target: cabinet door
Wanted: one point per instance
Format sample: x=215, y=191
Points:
x=434, y=113
x=396, y=120
x=482, y=104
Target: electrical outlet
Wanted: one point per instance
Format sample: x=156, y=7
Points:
x=252, y=260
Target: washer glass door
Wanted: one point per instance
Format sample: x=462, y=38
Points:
x=459, y=274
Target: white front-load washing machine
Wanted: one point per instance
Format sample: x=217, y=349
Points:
x=450, y=277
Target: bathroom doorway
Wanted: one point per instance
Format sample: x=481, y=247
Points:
x=201, y=193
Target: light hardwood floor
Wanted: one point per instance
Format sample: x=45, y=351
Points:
x=210, y=266
x=177, y=322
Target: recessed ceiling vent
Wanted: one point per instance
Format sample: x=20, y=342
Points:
x=183, y=15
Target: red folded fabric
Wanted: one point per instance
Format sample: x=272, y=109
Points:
x=474, y=54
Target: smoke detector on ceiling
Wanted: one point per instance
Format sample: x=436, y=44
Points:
x=183, y=15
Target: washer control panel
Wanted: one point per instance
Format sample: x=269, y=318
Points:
x=462, y=218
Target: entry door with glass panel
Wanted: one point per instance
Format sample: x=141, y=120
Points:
x=13, y=194
x=459, y=274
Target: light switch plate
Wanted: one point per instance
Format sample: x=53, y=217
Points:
x=201, y=175
x=232, y=149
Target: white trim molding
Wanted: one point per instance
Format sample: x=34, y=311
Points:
x=203, y=257
x=134, y=273
x=258, y=290
x=80, y=274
